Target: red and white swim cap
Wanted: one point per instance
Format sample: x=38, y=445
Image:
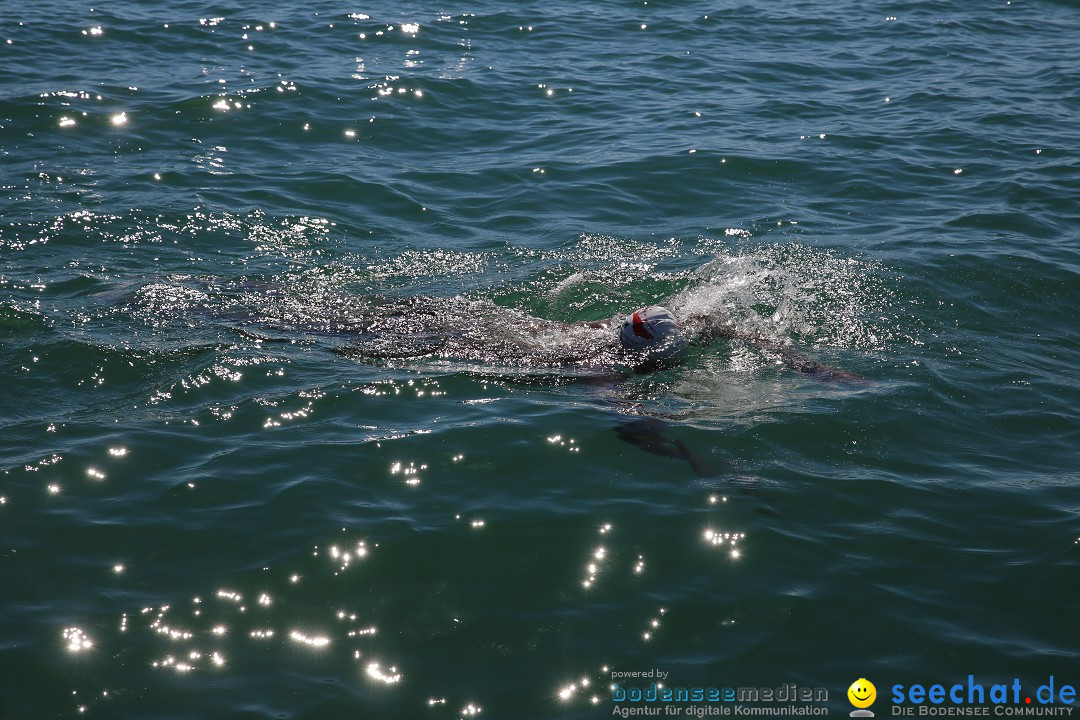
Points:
x=654, y=333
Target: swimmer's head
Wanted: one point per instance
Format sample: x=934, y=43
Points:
x=653, y=336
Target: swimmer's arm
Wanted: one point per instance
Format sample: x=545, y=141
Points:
x=650, y=434
x=537, y=326
x=601, y=324
x=710, y=327
x=713, y=327
x=795, y=360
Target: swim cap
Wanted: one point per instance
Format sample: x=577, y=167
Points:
x=654, y=334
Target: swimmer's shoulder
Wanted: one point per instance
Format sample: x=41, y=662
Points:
x=705, y=328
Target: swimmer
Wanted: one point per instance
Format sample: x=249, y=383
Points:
x=647, y=339
x=652, y=338
x=602, y=353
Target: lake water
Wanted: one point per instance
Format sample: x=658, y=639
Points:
x=208, y=510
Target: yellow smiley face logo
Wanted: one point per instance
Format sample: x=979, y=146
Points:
x=862, y=693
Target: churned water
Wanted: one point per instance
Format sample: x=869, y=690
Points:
x=282, y=288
